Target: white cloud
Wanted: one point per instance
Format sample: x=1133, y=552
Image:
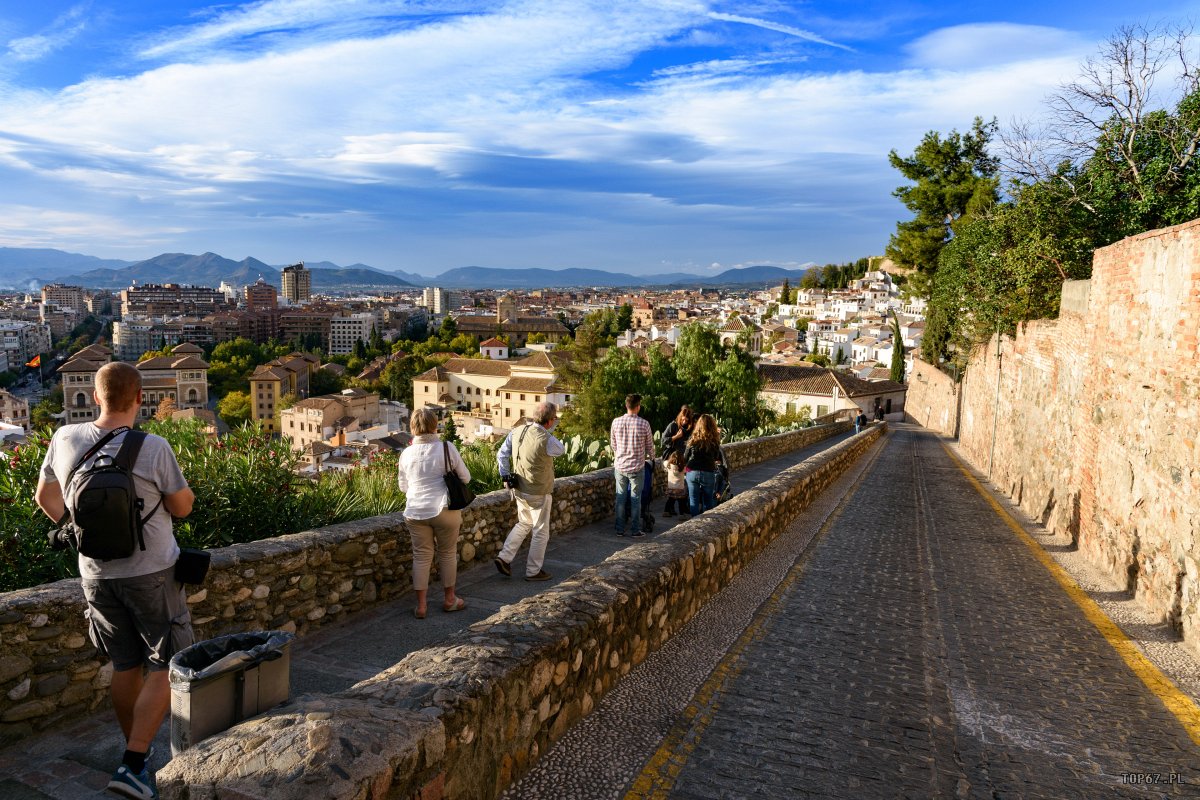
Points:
x=988, y=44
x=504, y=109
x=61, y=32
x=779, y=28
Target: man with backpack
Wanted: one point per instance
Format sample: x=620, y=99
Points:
x=119, y=489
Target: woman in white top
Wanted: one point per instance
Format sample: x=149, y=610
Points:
x=422, y=465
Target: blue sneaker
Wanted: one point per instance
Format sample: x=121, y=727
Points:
x=138, y=786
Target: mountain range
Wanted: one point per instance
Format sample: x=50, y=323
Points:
x=27, y=269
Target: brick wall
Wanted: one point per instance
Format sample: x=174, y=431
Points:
x=1096, y=420
x=932, y=399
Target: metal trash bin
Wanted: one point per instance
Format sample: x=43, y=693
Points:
x=219, y=682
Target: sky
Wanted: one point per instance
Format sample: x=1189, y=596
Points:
x=423, y=135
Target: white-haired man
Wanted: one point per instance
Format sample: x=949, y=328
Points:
x=528, y=453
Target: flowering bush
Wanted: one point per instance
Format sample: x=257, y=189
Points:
x=25, y=557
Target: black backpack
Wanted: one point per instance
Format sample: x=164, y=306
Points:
x=105, y=508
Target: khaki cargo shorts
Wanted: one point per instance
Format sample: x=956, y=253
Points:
x=138, y=621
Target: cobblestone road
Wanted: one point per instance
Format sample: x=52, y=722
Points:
x=918, y=649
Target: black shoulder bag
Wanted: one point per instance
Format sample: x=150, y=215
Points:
x=460, y=495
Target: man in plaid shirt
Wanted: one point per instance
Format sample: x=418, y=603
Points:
x=632, y=444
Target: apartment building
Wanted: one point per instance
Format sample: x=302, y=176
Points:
x=296, y=283
x=271, y=381
x=21, y=340
x=328, y=418
x=344, y=331
x=439, y=301
x=167, y=299
x=64, y=296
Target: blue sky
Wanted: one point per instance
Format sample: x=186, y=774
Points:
x=644, y=137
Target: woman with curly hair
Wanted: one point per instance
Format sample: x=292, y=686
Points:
x=702, y=456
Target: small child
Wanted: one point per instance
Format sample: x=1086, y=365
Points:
x=676, y=486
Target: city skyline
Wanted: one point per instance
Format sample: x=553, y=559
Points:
x=653, y=137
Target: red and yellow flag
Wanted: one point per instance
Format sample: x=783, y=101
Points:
x=36, y=362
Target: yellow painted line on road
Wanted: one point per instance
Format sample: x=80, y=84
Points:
x=1176, y=701
x=658, y=776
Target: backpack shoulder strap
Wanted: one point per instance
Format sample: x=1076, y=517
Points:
x=96, y=448
x=446, y=457
x=126, y=457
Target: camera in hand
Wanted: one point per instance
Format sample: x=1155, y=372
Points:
x=511, y=481
x=62, y=537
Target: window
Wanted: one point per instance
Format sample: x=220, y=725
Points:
x=426, y=390
x=80, y=400
x=522, y=397
x=488, y=392
x=192, y=396
x=508, y=412
x=459, y=389
x=508, y=395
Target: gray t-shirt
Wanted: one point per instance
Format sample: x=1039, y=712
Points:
x=155, y=473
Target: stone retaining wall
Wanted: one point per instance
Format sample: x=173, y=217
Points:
x=1091, y=422
x=465, y=717
x=50, y=672
x=933, y=398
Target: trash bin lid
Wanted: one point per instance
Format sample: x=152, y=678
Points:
x=231, y=652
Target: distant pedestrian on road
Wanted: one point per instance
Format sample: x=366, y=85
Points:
x=137, y=611
x=632, y=444
x=528, y=455
x=702, y=458
x=675, y=436
x=860, y=421
x=431, y=524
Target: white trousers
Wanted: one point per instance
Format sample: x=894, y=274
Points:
x=533, y=516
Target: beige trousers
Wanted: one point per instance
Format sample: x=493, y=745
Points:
x=441, y=531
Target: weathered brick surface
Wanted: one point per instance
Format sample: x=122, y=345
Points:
x=932, y=399
x=1097, y=420
x=50, y=673
x=482, y=704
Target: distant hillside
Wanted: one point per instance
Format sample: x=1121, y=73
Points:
x=211, y=269
x=486, y=277
x=28, y=268
x=345, y=277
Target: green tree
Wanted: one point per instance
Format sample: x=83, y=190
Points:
x=953, y=178
x=820, y=359
x=448, y=329
x=785, y=294
x=897, y=373
x=624, y=319
x=733, y=385
x=450, y=431
x=323, y=381
x=235, y=408
x=360, y=350
x=43, y=414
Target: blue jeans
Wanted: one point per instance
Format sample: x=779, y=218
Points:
x=629, y=486
x=702, y=491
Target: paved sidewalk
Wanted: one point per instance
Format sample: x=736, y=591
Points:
x=76, y=761
x=921, y=650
